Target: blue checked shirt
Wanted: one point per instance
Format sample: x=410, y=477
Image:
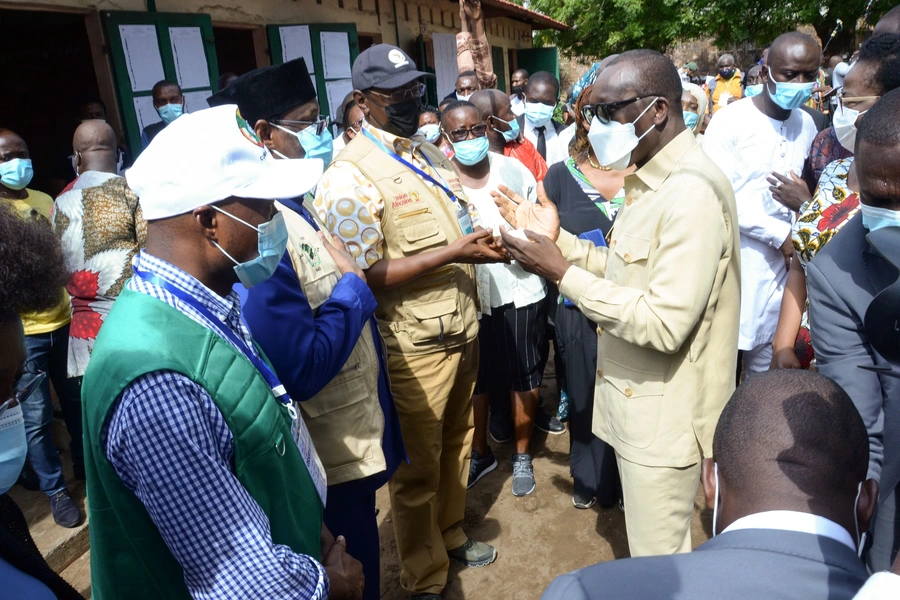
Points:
x=170, y=445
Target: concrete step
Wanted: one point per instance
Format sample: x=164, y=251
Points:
x=78, y=574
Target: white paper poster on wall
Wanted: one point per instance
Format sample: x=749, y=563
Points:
x=445, y=69
x=190, y=57
x=142, y=57
x=335, y=54
x=194, y=101
x=146, y=112
x=336, y=91
x=295, y=42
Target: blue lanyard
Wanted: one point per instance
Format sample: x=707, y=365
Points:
x=413, y=167
x=271, y=379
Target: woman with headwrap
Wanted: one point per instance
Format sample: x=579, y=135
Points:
x=694, y=103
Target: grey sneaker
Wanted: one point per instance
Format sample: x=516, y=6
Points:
x=548, y=423
x=523, y=475
x=480, y=466
x=474, y=554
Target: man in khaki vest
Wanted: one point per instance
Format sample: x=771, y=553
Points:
x=398, y=204
x=314, y=318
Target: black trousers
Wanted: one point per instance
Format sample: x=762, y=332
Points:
x=592, y=461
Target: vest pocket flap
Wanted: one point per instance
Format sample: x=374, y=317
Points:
x=630, y=248
x=434, y=309
x=345, y=389
x=421, y=235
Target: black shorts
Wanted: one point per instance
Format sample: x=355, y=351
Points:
x=510, y=341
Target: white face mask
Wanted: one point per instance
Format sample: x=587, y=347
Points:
x=844, y=123
x=613, y=142
x=859, y=538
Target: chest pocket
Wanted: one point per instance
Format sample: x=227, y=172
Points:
x=628, y=266
x=419, y=230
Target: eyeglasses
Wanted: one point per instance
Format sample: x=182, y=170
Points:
x=853, y=100
x=21, y=395
x=397, y=96
x=460, y=135
x=321, y=124
x=604, y=110
x=357, y=126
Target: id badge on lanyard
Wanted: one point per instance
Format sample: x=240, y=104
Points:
x=464, y=218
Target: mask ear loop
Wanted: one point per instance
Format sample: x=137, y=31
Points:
x=860, y=539
x=716, y=501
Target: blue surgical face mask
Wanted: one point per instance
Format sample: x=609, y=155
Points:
x=690, y=119
x=471, y=152
x=753, y=90
x=538, y=114
x=170, y=112
x=314, y=146
x=13, y=447
x=512, y=134
x=787, y=95
x=272, y=242
x=431, y=132
x=16, y=173
x=875, y=218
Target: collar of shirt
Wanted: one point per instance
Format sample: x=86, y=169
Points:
x=789, y=520
x=658, y=168
x=549, y=130
x=227, y=309
x=401, y=145
x=92, y=179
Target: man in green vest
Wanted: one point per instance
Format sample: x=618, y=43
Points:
x=398, y=204
x=201, y=476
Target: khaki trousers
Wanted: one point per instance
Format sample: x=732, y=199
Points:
x=659, y=503
x=433, y=395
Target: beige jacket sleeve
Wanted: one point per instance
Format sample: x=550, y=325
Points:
x=681, y=270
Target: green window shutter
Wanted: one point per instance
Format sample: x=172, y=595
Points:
x=324, y=75
x=539, y=59
x=498, y=58
x=144, y=57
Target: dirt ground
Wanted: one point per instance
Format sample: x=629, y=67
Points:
x=538, y=537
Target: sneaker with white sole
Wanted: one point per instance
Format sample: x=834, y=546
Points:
x=523, y=475
x=474, y=554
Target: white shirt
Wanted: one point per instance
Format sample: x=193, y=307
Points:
x=748, y=146
x=500, y=284
x=518, y=105
x=880, y=586
x=557, y=143
x=790, y=520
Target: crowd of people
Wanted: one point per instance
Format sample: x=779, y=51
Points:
x=265, y=320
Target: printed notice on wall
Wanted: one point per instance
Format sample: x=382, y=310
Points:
x=295, y=43
x=445, y=69
x=194, y=101
x=142, y=58
x=146, y=112
x=190, y=57
x=335, y=54
x=337, y=90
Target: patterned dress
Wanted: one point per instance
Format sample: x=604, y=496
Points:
x=832, y=207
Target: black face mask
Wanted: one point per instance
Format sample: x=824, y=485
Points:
x=518, y=90
x=726, y=73
x=404, y=116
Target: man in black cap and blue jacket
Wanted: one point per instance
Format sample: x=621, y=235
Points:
x=314, y=319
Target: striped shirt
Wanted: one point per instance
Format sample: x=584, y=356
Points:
x=170, y=445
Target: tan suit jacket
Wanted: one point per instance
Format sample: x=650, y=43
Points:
x=666, y=298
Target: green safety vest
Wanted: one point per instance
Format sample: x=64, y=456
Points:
x=129, y=558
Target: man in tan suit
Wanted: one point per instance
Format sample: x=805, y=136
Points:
x=665, y=294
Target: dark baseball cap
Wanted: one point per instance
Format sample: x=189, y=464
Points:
x=384, y=66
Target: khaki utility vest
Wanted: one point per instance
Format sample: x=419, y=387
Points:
x=345, y=419
x=437, y=310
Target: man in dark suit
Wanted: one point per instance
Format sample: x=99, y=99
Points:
x=843, y=279
x=786, y=484
x=537, y=124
